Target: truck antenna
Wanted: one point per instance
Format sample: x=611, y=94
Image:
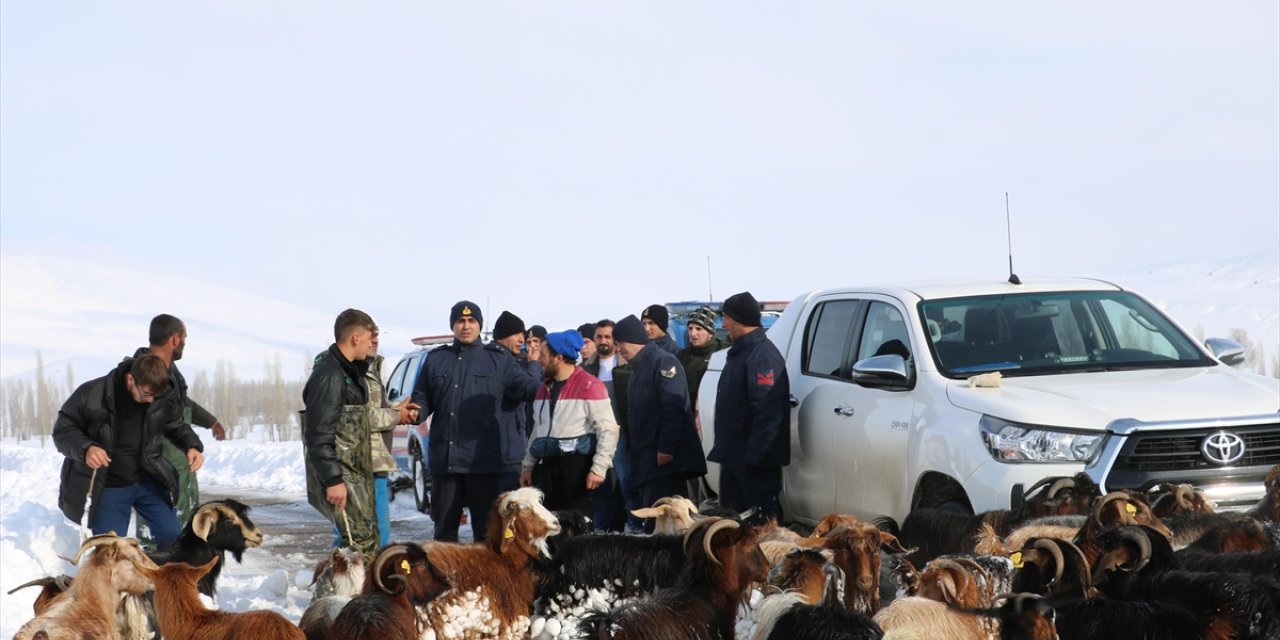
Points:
x=1008, y=226
x=710, y=296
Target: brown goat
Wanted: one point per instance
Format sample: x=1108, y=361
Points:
x=50, y=588
x=87, y=609
x=1169, y=499
x=181, y=614
x=1112, y=510
x=402, y=579
x=495, y=576
x=856, y=551
x=809, y=574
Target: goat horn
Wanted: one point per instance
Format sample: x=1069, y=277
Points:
x=1018, y=600
x=393, y=550
x=98, y=540
x=712, y=530
x=1096, y=513
x=1059, y=486
x=663, y=501
x=1139, y=538
x=44, y=582
x=1183, y=494
x=1048, y=545
x=697, y=526
x=1039, y=483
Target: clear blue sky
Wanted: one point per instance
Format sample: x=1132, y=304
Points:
x=579, y=159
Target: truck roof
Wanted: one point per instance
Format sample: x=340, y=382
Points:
x=935, y=289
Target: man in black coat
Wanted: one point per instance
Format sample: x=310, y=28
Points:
x=753, y=414
x=516, y=419
x=336, y=432
x=462, y=386
x=110, y=431
x=663, y=444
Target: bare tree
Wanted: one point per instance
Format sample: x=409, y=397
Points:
x=71, y=379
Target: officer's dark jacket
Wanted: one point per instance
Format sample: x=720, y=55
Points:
x=660, y=418
x=335, y=382
x=462, y=388
x=517, y=417
x=88, y=418
x=753, y=414
x=667, y=343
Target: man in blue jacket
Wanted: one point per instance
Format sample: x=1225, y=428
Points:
x=753, y=414
x=516, y=420
x=462, y=387
x=663, y=443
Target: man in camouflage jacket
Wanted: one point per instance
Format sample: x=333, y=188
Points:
x=337, y=436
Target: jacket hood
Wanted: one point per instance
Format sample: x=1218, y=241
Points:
x=1095, y=400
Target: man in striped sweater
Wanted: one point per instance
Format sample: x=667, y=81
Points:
x=570, y=410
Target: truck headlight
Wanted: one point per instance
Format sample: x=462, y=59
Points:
x=1013, y=442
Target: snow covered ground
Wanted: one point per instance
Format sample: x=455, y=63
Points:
x=33, y=532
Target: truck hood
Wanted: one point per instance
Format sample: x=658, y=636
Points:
x=1094, y=400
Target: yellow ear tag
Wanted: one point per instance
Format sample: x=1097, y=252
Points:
x=1017, y=559
x=1131, y=509
x=404, y=564
x=508, y=533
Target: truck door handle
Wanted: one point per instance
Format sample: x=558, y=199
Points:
x=793, y=401
x=844, y=410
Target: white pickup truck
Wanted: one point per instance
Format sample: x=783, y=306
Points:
x=997, y=385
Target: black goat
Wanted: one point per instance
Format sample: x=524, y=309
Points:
x=1057, y=569
x=723, y=561
x=938, y=530
x=1022, y=616
x=216, y=527
x=1138, y=563
x=402, y=579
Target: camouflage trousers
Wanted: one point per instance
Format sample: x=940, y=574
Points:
x=359, y=527
x=188, y=493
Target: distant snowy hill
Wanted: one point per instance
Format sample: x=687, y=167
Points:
x=1218, y=296
x=90, y=315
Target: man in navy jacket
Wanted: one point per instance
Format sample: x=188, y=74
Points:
x=462, y=386
x=753, y=414
x=663, y=443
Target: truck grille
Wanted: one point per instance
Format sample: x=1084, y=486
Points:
x=1180, y=450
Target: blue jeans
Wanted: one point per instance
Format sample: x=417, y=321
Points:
x=627, y=485
x=150, y=499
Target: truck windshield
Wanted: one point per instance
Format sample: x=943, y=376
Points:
x=1055, y=332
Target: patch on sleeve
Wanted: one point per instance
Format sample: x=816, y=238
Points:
x=668, y=373
x=764, y=378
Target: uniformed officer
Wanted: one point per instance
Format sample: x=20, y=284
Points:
x=462, y=386
x=752, y=425
x=663, y=443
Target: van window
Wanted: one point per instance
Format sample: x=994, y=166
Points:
x=395, y=384
x=828, y=337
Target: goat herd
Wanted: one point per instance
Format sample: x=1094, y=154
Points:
x=1066, y=562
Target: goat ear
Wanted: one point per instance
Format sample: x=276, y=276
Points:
x=647, y=512
x=892, y=543
x=206, y=567
x=202, y=523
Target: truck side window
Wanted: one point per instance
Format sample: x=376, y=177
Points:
x=884, y=333
x=827, y=337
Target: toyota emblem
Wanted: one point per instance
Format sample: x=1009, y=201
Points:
x=1222, y=447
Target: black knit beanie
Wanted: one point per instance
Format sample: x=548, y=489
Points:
x=629, y=329
x=465, y=308
x=744, y=308
x=658, y=315
x=508, y=324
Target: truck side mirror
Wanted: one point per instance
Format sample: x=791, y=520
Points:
x=1229, y=352
x=883, y=371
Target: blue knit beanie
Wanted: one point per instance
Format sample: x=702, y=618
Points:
x=565, y=343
